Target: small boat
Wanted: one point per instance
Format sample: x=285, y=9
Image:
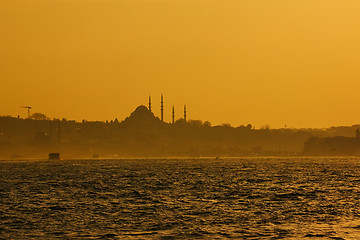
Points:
x=54, y=156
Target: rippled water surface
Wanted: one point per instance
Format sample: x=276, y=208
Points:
x=180, y=199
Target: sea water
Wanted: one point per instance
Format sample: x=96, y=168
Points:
x=239, y=198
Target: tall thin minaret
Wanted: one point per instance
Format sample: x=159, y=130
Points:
x=162, y=108
x=185, y=112
x=173, y=115
x=150, y=103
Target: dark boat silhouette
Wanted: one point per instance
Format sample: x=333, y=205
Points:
x=54, y=156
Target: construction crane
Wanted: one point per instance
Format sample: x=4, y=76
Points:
x=28, y=108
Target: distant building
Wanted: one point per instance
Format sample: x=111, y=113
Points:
x=333, y=146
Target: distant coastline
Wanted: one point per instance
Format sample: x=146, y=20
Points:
x=142, y=134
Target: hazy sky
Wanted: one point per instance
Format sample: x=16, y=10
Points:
x=231, y=61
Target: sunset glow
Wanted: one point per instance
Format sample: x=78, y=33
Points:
x=280, y=63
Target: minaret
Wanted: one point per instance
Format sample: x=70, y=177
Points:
x=185, y=112
x=173, y=115
x=162, y=108
x=150, y=103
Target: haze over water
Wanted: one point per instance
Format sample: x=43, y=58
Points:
x=238, y=198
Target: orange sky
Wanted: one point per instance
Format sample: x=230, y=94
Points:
x=231, y=61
